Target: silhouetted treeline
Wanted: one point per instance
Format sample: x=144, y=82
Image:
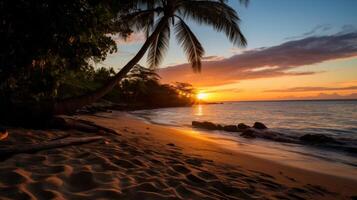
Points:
x=141, y=88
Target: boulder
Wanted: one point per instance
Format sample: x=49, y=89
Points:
x=219, y=127
x=249, y=133
x=230, y=128
x=205, y=125
x=317, y=139
x=259, y=125
x=242, y=126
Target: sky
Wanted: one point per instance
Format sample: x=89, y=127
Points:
x=297, y=49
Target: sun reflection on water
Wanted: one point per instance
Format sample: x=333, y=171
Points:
x=198, y=110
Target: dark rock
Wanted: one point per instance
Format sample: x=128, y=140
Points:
x=259, y=125
x=205, y=125
x=317, y=139
x=242, y=126
x=230, y=128
x=249, y=133
x=219, y=127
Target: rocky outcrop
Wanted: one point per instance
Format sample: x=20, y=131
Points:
x=249, y=133
x=260, y=130
x=318, y=139
x=242, y=126
x=230, y=128
x=259, y=125
x=206, y=125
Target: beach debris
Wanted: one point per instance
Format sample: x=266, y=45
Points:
x=230, y=128
x=3, y=133
x=32, y=148
x=317, y=139
x=259, y=125
x=242, y=126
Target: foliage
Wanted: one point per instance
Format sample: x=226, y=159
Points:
x=44, y=41
x=142, y=87
x=163, y=15
x=48, y=48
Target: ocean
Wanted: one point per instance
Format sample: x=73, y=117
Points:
x=337, y=119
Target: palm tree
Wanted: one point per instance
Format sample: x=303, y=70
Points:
x=157, y=18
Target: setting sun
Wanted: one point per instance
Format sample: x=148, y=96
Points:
x=201, y=96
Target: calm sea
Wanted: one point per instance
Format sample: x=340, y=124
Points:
x=337, y=119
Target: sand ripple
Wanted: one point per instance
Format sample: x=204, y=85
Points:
x=132, y=167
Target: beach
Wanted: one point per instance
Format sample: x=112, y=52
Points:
x=149, y=161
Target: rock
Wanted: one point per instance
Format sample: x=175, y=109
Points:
x=317, y=139
x=242, y=126
x=259, y=125
x=249, y=133
x=3, y=133
x=230, y=128
x=205, y=125
x=219, y=127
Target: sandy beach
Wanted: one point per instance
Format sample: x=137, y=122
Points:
x=147, y=161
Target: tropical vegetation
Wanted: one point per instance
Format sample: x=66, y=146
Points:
x=46, y=44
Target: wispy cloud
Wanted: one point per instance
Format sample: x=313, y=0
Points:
x=212, y=58
x=322, y=28
x=267, y=62
x=321, y=96
x=313, y=89
x=134, y=38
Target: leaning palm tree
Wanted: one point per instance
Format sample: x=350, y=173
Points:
x=157, y=18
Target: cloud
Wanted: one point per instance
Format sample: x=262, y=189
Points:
x=267, y=62
x=313, y=89
x=321, y=96
x=348, y=28
x=233, y=90
x=134, y=38
x=212, y=58
x=316, y=30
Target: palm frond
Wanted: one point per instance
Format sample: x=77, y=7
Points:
x=139, y=20
x=217, y=14
x=159, y=46
x=192, y=47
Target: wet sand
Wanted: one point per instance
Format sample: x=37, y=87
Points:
x=149, y=161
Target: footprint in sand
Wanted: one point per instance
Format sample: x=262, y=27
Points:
x=82, y=181
x=207, y=176
x=12, y=178
x=181, y=169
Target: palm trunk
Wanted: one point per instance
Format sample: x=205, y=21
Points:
x=70, y=105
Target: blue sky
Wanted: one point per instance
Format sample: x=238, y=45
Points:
x=265, y=23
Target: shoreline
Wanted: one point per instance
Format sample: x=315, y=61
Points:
x=270, y=150
x=248, y=161
x=150, y=161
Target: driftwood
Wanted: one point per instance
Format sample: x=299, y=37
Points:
x=31, y=148
x=89, y=123
x=80, y=125
x=60, y=137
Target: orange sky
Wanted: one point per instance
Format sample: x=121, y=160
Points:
x=313, y=68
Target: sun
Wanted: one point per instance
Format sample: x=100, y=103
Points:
x=201, y=96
